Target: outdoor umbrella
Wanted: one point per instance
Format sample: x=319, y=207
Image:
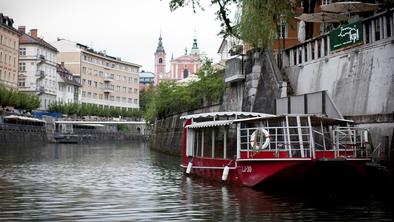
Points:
x=322, y=17
x=349, y=7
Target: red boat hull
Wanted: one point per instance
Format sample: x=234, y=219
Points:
x=253, y=173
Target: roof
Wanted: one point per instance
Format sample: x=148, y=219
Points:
x=210, y=124
x=221, y=114
x=24, y=118
x=28, y=39
x=65, y=75
x=147, y=75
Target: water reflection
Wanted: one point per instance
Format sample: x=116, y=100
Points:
x=129, y=182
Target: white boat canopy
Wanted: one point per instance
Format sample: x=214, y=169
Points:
x=221, y=114
x=24, y=118
x=210, y=124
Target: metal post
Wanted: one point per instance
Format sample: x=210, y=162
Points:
x=372, y=31
x=202, y=142
x=288, y=136
x=311, y=139
x=225, y=143
x=238, y=140
x=300, y=140
x=213, y=143
x=316, y=49
x=324, y=138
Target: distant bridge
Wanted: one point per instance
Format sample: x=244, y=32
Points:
x=99, y=122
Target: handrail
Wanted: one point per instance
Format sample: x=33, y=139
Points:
x=319, y=46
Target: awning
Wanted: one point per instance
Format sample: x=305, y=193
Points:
x=24, y=118
x=210, y=124
x=221, y=114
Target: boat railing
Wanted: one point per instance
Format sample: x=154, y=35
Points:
x=305, y=142
x=351, y=142
x=285, y=142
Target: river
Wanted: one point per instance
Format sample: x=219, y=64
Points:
x=130, y=182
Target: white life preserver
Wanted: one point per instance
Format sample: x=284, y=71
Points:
x=254, y=142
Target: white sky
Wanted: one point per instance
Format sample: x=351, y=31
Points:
x=124, y=28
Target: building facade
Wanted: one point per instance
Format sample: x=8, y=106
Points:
x=146, y=79
x=9, y=49
x=68, y=86
x=37, y=67
x=181, y=67
x=106, y=81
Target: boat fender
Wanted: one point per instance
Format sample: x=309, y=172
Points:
x=226, y=170
x=253, y=139
x=189, y=168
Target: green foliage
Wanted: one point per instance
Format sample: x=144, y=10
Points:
x=93, y=110
x=259, y=19
x=18, y=100
x=171, y=98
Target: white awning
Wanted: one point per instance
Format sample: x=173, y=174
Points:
x=210, y=124
x=24, y=118
x=219, y=114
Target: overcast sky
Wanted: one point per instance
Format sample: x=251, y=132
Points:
x=124, y=28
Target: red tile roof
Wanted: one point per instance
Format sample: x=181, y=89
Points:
x=28, y=39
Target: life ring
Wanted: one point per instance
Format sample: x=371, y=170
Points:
x=257, y=133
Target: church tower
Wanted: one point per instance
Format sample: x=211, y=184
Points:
x=160, y=61
x=195, y=50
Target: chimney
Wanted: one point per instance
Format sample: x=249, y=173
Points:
x=22, y=29
x=33, y=33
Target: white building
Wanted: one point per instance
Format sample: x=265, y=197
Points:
x=68, y=86
x=37, y=67
x=106, y=81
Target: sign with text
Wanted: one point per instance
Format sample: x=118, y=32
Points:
x=346, y=36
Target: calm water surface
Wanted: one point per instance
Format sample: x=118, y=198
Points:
x=132, y=183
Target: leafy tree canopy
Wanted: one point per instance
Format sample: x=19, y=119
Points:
x=258, y=23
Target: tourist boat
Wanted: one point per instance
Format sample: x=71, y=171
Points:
x=251, y=149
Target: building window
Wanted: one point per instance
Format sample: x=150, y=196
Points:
x=89, y=94
x=160, y=60
x=83, y=94
x=136, y=80
x=22, y=67
x=95, y=84
x=282, y=30
x=130, y=90
x=83, y=70
x=90, y=82
x=124, y=89
x=135, y=91
x=130, y=100
x=22, y=51
x=135, y=101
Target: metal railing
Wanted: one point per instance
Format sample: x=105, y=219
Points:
x=375, y=28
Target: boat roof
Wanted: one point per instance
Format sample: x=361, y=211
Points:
x=24, y=118
x=210, y=124
x=228, y=114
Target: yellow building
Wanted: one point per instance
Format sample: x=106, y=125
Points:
x=9, y=49
x=106, y=81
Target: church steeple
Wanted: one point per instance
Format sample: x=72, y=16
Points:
x=160, y=47
x=195, y=50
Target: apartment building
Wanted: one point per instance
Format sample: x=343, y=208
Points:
x=9, y=48
x=106, y=81
x=37, y=67
x=68, y=86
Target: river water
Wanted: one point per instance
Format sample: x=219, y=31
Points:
x=130, y=182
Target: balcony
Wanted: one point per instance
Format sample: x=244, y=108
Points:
x=40, y=90
x=40, y=74
x=41, y=59
x=108, y=89
x=108, y=78
x=373, y=29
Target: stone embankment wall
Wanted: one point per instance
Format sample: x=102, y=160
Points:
x=20, y=134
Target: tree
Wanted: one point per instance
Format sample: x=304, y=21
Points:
x=259, y=19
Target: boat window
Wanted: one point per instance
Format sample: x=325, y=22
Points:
x=207, y=142
x=231, y=149
x=198, y=134
x=219, y=142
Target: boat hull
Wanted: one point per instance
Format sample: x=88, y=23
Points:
x=254, y=173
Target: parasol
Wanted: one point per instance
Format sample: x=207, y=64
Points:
x=349, y=7
x=322, y=17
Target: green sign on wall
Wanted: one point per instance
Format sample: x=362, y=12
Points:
x=347, y=35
